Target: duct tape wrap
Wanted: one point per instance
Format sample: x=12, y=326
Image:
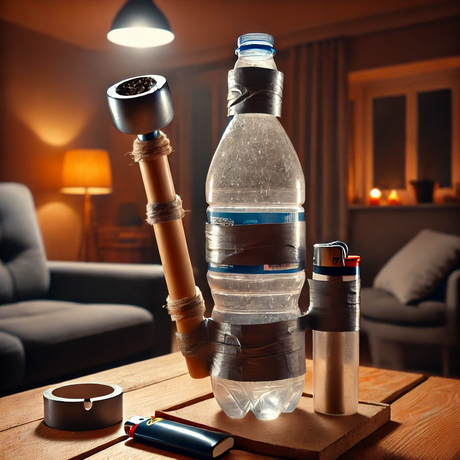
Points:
x=334, y=305
x=255, y=90
x=255, y=244
x=248, y=352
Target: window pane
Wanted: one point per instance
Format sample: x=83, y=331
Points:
x=434, y=136
x=389, y=142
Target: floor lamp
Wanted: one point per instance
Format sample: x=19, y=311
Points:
x=86, y=172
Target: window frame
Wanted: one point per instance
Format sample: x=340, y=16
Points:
x=404, y=80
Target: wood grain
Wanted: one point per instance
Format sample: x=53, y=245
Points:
x=133, y=450
x=376, y=385
x=27, y=406
x=35, y=440
x=425, y=416
x=425, y=425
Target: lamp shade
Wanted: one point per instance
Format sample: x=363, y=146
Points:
x=140, y=24
x=86, y=171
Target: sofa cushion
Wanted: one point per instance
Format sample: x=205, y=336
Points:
x=417, y=268
x=12, y=361
x=23, y=271
x=383, y=307
x=64, y=337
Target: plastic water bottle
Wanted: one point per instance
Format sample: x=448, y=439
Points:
x=255, y=177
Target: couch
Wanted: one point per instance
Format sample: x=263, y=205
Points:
x=411, y=314
x=64, y=319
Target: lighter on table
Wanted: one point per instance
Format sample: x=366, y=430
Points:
x=166, y=433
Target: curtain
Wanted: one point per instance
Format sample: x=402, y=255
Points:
x=315, y=113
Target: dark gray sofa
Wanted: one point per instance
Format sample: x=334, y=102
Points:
x=63, y=319
x=411, y=314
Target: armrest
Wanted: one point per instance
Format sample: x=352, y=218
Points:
x=453, y=291
x=453, y=303
x=142, y=285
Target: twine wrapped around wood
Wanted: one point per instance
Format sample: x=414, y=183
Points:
x=148, y=150
x=187, y=308
x=158, y=213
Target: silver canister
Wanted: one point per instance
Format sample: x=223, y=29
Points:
x=334, y=304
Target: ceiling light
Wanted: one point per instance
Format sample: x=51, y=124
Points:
x=140, y=24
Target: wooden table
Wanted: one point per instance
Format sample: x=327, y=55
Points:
x=425, y=416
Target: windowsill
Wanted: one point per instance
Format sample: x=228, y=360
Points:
x=404, y=207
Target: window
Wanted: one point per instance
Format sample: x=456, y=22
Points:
x=402, y=129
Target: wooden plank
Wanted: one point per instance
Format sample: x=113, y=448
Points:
x=425, y=425
x=38, y=441
x=133, y=450
x=385, y=386
x=27, y=406
x=298, y=435
x=376, y=385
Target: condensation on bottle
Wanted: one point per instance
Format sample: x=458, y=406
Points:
x=255, y=177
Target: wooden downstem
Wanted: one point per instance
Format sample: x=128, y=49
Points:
x=172, y=246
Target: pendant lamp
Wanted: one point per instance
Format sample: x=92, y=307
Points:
x=140, y=24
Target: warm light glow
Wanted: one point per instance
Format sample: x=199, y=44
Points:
x=86, y=171
x=60, y=227
x=393, y=198
x=140, y=37
x=55, y=119
x=374, y=197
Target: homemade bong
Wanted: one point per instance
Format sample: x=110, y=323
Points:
x=259, y=352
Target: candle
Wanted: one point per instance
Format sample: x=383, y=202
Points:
x=374, y=197
x=393, y=198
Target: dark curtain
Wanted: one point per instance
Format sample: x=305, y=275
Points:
x=314, y=113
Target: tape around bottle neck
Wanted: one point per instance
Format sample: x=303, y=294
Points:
x=255, y=90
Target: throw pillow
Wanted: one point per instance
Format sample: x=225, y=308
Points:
x=418, y=267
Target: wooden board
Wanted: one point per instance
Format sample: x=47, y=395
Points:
x=301, y=434
x=376, y=385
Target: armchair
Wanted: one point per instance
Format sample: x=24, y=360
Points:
x=63, y=319
x=412, y=313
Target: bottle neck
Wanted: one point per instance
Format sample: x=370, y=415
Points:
x=255, y=58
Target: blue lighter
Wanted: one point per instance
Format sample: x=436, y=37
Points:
x=169, y=434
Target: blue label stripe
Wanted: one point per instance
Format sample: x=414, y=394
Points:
x=253, y=218
x=248, y=218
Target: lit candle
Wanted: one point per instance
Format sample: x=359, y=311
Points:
x=393, y=198
x=374, y=197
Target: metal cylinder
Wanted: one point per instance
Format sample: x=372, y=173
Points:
x=336, y=351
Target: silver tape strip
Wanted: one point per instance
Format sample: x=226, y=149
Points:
x=255, y=244
x=255, y=90
x=334, y=305
x=252, y=353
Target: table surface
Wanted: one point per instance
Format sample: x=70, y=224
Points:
x=425, y=416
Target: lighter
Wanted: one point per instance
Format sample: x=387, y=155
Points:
x=166, y=433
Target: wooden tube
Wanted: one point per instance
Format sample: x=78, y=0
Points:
x=172, y=246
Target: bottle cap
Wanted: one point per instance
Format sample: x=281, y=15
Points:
x=256, y=41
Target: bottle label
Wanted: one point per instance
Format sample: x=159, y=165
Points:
x=235, y=236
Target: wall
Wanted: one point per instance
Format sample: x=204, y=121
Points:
x=53, y=98
x=376, y=233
